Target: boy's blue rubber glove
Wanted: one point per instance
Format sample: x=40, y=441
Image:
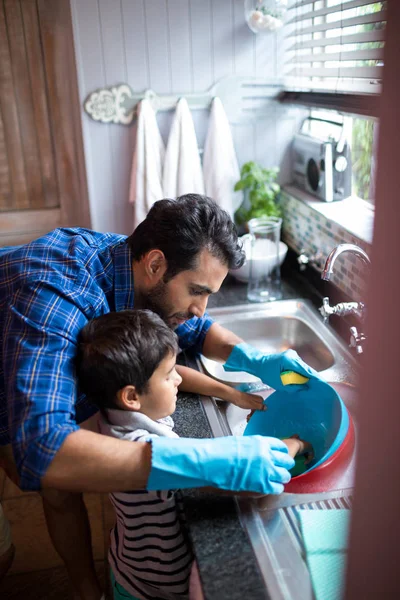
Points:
x=254, y=464
x=269, y=367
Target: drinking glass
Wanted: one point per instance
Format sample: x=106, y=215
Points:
x=264, y=283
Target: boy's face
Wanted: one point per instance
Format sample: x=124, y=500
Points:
x=160, y=399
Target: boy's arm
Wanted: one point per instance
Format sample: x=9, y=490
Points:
x=198, y=383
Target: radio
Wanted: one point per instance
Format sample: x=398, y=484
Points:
x=322, y=159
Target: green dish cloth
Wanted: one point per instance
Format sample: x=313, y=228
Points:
x=325, y=534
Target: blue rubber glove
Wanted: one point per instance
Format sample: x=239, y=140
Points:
x=269, y=367
x=254, y=464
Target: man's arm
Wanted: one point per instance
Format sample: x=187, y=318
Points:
x=41, y=326
x=90, y=462
x=219, y=343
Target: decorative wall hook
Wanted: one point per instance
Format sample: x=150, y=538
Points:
x=108, y=105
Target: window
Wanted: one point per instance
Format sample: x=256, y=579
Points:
x=363, y=151
x=334, y=60
x=335, y=45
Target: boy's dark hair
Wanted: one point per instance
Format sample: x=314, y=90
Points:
x=119, y=349
x=183, y=227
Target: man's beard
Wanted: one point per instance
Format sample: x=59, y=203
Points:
x=156, y=301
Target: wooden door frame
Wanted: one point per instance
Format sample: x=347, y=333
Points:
x=19, y=226
x=65, y=108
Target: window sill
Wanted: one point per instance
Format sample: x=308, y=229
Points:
x=352, y=214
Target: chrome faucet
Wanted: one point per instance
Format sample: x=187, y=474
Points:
x=330, y=261
x=345, y=308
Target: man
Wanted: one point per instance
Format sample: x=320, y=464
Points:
x=49, y=289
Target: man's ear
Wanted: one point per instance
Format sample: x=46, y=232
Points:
x=128, y=398
x=155, y=265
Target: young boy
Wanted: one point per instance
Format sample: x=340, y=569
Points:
x=126, y=366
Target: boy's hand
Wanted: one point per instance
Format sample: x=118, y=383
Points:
x=251, y=413
x=245, y=400
x=297, y=446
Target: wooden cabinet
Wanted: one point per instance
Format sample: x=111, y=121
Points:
x=42, y=169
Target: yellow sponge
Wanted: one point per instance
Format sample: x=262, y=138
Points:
x=289, y=377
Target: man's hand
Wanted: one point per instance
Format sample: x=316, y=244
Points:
x=253, y=463
x=269, y=368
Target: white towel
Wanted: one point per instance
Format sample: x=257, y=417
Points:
x=182, y=165
x=220, y=165
x=147, y=164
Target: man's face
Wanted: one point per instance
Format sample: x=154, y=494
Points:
x=186, y=295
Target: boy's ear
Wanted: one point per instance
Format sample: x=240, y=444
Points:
x=128, y=399
x=155, y=265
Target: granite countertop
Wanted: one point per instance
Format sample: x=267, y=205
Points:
x=227, y=565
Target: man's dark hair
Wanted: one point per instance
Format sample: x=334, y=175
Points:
x=119, y=349
x=182, y=228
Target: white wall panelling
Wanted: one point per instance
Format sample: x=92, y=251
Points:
x=170, y=46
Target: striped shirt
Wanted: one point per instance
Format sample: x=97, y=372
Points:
x=150, y=553
x=49, y=289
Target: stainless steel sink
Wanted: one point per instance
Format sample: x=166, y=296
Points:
x=271, y=521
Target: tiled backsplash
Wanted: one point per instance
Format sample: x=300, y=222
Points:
x=305, y=229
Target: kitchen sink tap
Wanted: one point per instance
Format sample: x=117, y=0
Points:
x=337, y=251
x=345, y=308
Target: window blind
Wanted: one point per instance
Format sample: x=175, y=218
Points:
x=335, y=46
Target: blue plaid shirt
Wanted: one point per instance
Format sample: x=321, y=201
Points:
x=49, y=289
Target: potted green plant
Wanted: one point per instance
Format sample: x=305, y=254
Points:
x=261, y=191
